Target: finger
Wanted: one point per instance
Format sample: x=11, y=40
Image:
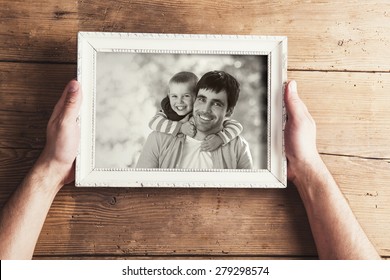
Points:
x=294, y=105
x=72, y=102
x=60, y=103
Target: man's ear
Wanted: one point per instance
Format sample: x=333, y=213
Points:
x=229, y=112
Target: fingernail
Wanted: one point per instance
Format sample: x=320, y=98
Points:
x=293, y=86
x=74, y=87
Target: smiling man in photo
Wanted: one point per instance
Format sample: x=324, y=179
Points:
x=217, y=93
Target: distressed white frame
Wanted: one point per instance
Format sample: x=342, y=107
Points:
x=90, y=43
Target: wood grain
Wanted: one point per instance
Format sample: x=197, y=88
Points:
x=28, y=95
x=33, y=87
x=175, y=257
x=194, y=222
x=14, y=164
x=337, y=53
x=208, y=222
x=364, y=183
x=93, y=222
x=350, y=110
x=334, y=35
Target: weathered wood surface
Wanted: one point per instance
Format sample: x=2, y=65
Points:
x=326, y=35
x=200, y=222
x=207, y=222
x=350, y=110
x=337, y=53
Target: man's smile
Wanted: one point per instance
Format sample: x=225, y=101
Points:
x=205, y=117
x=210, y=110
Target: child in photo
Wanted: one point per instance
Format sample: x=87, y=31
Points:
x=176, y=111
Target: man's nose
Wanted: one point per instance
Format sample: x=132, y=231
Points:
x=207, y=107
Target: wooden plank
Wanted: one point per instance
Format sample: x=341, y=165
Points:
x=14, y=165
x=149, y=211
x=194, y=222
x=351, y=109
x=364, y=183
x=23, y=129
x=28, y=95
x=198, y=222
x=209, y=222
x=32, y=87
x=338, y=35
x=43, y=30
x=153, y=258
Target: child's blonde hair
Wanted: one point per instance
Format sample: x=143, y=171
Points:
x=185, y=77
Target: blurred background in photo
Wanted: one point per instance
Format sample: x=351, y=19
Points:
x=130, y=86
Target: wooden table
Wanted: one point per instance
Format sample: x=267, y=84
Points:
x=339, y=53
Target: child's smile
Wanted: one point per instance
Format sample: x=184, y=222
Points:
x=181, y=98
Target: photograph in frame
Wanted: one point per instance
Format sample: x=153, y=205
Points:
x=143, y=92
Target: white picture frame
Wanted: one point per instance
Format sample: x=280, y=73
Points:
x=104, y=57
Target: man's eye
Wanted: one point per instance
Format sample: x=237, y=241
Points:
x=201, y=99
x=218, y=104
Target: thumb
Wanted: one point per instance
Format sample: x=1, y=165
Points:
x=72, y=102
x=294, y=104
x=72, y=86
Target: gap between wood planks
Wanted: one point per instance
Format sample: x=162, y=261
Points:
x=288, y=69
x=355, y=156
x=321, y=153
x=37, y=62
x=337, y=71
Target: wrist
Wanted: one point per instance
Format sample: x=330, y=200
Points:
x=311, y=179
x=305, y=170
x=49, y=174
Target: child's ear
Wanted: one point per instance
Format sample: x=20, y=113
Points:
x=229, y=112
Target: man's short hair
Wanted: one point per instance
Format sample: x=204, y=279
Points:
x=185, y=77
x=218, y=81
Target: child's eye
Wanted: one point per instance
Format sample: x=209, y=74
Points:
x=173, y=96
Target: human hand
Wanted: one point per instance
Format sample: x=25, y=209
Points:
x=63, y=136
x=211, y=143
x=188, y=129
x=300, y=135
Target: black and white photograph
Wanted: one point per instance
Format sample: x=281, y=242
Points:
x=183, y=111
x=160, y=109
